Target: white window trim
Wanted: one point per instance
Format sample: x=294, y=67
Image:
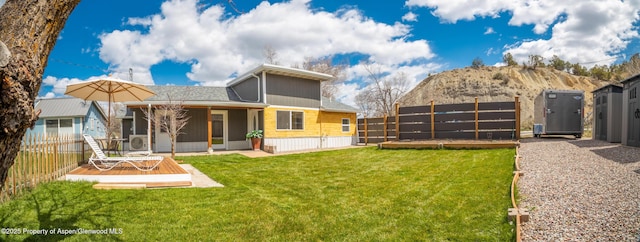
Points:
x=348, y=125
x=290, y=120
x=73, y=125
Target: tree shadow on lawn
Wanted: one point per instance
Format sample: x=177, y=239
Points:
x=59, y=209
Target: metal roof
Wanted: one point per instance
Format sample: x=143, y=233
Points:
x=65, y=107
x=330, y=105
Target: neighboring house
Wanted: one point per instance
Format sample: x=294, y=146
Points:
x=284, y=102
x=65, y=116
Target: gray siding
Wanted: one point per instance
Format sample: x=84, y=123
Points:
x=237, y=124
x=196, y=128
x=248, y=89
x=127, y=125
x=141, y=121
x=194, y=131
x=292, y=91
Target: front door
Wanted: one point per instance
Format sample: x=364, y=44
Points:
x=219, y=133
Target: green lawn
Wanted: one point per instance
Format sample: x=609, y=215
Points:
x=355, y=195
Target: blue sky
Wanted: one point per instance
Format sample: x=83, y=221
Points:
x=190, y=42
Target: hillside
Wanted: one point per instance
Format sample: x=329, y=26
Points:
x=498, y=84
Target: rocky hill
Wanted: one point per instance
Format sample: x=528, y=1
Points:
x=491, y=84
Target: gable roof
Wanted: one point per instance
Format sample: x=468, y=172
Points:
x=66, y=107
x=631, y=78
x=614, y=88
x=284, y=71
x=331, y=105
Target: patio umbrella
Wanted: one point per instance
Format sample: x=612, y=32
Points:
x=111, y=90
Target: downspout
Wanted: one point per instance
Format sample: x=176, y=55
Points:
x=259, y=91
x=264, y=84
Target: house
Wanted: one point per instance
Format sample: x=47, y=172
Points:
x=631, y=111
x=64, y=116
x=607, y=119
x=286, y=103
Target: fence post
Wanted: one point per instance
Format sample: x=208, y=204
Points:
x=476, y=118
x=397, y=121
x=433, y=121
x=517, y=100
x=384, y=127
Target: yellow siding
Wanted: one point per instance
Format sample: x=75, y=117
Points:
x=332, y=123
x=316, y=123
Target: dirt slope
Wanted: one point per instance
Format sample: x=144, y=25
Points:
x=498, y=84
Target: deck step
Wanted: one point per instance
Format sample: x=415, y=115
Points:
x=109, y=186
x=169, y=184
x=142, y=185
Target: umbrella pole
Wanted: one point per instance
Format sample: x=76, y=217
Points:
x=109, y=125
x=149, y=129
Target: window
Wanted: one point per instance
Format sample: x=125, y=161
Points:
x=632, y=93
x=345, y=125
x=59, y=126
x=289, y=120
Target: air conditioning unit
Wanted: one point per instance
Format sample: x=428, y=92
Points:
x=138, y=142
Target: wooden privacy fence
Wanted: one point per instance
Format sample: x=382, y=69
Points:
x=491, y=120
x=42, y=159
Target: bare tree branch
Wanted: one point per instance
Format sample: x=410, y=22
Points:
x=326, y=65
x=383, y=91
x=170, y=117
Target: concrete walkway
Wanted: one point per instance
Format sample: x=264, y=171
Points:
x=199, y=179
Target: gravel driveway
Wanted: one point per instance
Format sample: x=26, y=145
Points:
x=580, y=190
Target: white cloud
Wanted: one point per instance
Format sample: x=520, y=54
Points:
x=47, y=96
x=410, y=17
x=489, y=30
x=59, y=85
x=217, y=45
x=2, y=2
x=592, y=32
x=581, y=31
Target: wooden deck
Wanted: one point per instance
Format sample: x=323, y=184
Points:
x=168, y=173
x=451, y=144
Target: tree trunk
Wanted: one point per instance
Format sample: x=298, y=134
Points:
x=29, y=30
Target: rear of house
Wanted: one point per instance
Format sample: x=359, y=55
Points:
x=285, y=103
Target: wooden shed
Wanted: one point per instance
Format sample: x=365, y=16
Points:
x=631, y=111
x=607, y=116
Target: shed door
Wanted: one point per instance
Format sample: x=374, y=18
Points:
x=633, y=138
x=564, y=113
x=601, y=117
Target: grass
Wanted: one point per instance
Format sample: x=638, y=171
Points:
x=354, y=195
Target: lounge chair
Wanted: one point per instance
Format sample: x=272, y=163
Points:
x=108, y=163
